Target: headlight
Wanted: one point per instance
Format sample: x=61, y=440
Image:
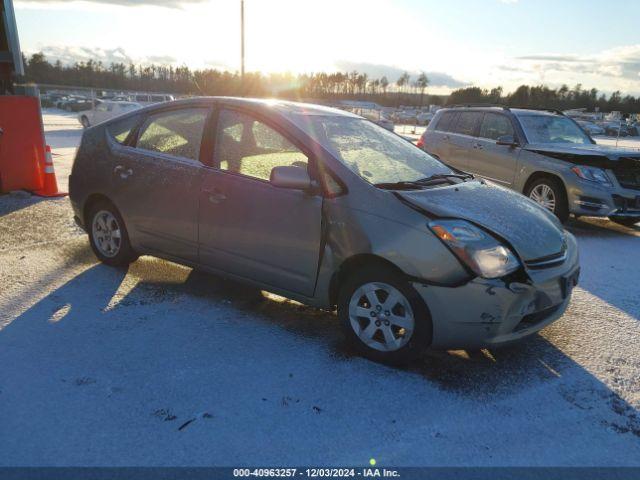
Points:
x=592, y=174
x=481, y=252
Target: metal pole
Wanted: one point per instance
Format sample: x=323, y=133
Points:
x=242, y=39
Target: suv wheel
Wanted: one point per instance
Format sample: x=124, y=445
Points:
x=85, y=121
x=383, y=316
x=549, y=193
x=108, y=236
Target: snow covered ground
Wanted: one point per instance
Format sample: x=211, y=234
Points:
x=162, y=365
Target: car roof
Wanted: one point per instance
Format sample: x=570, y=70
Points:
x=500, y=108
x=289, y=109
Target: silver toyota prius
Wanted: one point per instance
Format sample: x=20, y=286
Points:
x=327, y=208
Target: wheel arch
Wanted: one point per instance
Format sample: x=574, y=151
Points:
x=542, y=174
x=354, y=263
x=92, y=200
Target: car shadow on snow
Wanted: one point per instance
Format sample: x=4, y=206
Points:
x=609, y=263
x=106, y=315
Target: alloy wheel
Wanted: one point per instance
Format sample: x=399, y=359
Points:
x=106, y=233
x=381, y=316
x=544, y=195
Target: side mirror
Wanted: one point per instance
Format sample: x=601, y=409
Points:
x=292, y=177
x=507, y=140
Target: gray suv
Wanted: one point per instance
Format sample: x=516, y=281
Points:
x=326, y=208
x=541, y=153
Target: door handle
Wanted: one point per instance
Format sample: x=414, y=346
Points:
x=123, y=172
x=446, y=137
x=478, y=146
x=215, y=195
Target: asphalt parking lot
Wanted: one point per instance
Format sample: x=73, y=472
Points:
x=162, y=365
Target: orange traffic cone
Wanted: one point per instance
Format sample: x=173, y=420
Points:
x=50, y=187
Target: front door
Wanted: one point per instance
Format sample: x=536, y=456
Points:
x=248, y=227
x=492, y=161
x=158, y=183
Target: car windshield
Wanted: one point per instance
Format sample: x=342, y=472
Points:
x=374, y=153
x=552, y=129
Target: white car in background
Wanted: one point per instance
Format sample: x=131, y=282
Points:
x=104, y=110
x=151, y=98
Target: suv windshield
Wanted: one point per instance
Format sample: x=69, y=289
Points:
x=377, y=155
x=552, y=129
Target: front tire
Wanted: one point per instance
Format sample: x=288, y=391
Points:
x=108, y=235
x=549, y=193
x=383, y=316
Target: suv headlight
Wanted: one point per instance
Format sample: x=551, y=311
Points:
x=481, y=252
x=591, y=174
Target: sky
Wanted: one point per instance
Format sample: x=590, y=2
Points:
x=485, y=43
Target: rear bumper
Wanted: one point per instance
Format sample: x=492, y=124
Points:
x=486, y=313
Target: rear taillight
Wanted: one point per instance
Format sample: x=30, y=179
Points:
x=420, y=143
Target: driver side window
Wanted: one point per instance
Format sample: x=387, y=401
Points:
x=249, y=147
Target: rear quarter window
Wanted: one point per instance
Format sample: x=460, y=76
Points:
x=446, y=122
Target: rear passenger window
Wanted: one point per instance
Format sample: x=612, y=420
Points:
x=495, y=126
x=467, y=121
x=177, y=133
x=120, y=130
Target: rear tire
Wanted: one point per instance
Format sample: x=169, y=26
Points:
x=85, y=121
x=626, y=221
x=549, y=193
x=394, y=327
x=108, y=235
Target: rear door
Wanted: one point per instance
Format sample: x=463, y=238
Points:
x=437, y=136
x=492, y=161
x=462, y=138
x=248, y=227
x=158, y=182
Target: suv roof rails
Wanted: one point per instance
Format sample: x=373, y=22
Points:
x=542, y=109
x=472, y=105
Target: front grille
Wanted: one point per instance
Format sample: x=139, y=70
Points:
x=548, y=261
x=627, y=172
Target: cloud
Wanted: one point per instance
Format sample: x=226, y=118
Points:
x=124, y=3
x=68, y=55
x=550, y=58
x=436, y=79
x=620, y=62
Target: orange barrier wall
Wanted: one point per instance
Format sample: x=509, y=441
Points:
x=22, y=155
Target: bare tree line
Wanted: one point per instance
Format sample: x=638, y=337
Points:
x=329, y=86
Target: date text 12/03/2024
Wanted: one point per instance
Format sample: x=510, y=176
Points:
x=317, y=472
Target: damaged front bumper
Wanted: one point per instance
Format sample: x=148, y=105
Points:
x=485, y=313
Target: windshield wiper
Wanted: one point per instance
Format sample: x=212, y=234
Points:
x=403, y=185
x=423, y=182
x=444, y=176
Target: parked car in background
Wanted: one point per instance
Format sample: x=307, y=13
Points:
x=105, y=110
x=78, y=104
x=591, y=128
x=612, y=129
x=543, y=154
x=424, y=118
x=150, y=98
x=327, y=208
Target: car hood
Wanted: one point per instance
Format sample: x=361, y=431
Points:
x=602, y=156
x=530, y=229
